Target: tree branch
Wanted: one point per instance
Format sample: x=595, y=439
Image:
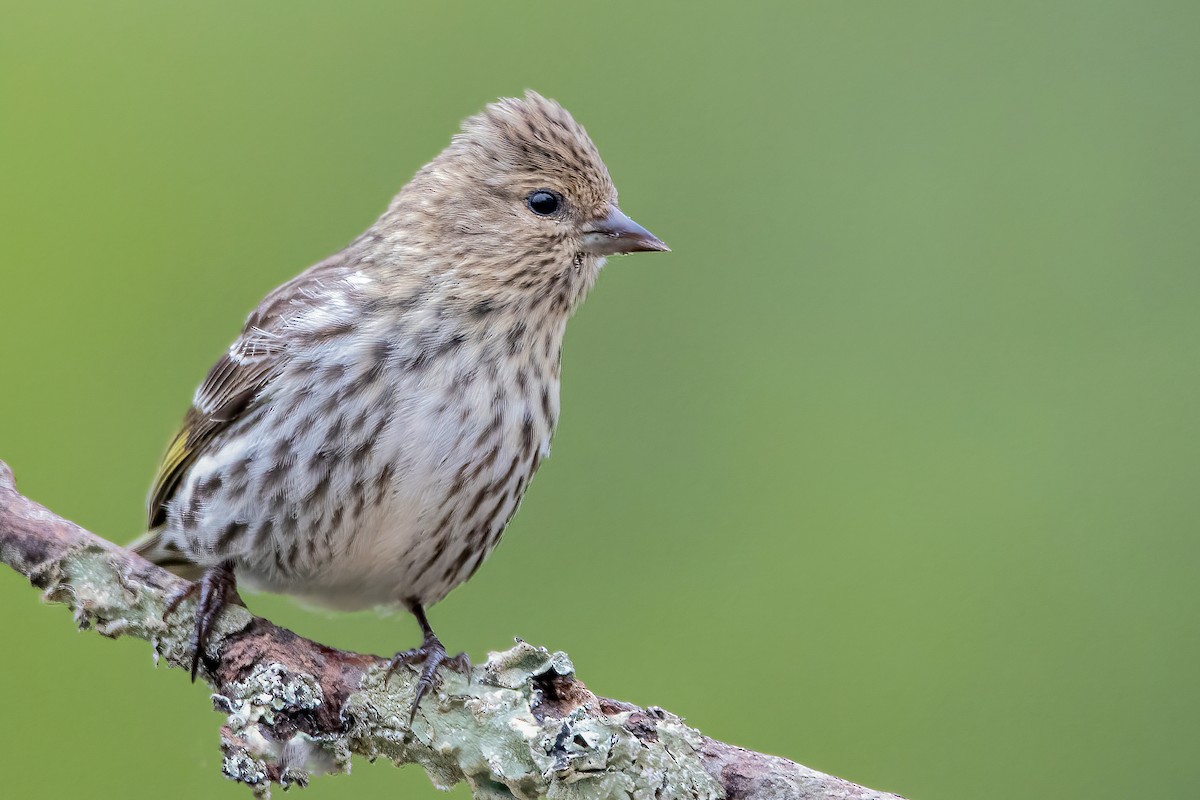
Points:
x=523, y=726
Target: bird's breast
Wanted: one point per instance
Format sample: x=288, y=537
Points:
x=417, y=467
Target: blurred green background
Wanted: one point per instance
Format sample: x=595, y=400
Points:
x=891, y=467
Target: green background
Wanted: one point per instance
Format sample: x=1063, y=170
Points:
x=891, y=467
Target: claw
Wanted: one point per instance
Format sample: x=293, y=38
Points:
x=461, y=663
x=433, y=655
x=178, y=596
x=217, y=588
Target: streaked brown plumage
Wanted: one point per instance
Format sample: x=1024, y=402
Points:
x=367, y=438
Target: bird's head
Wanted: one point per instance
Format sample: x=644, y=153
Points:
x=522, y=206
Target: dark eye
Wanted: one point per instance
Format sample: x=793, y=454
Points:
x=544, y=202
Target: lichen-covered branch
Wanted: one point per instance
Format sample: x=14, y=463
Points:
x=523, y=726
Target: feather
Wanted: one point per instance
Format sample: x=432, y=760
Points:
x=240, y=377
x=226, y=394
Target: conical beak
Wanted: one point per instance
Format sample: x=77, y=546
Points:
x=616, y=234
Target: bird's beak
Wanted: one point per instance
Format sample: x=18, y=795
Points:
x=617, y=234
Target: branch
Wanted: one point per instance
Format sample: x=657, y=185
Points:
x=523, y=726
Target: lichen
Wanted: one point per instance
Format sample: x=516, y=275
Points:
x=251, y=707
x=486, y=733
x=240, y=767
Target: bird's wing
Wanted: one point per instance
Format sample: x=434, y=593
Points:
x=230, y=389
x=238, y=380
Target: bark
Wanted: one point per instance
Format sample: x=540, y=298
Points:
x=523, y=726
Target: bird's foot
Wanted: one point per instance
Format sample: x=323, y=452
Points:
x=176, y=597
x=217, y=588
x=432, y=654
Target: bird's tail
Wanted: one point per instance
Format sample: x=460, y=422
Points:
x=157, y=549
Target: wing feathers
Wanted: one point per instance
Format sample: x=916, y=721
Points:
x=229, y=390
x=240, y=378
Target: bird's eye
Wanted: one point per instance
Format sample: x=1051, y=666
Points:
x=544, y=202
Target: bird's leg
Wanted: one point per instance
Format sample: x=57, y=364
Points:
x=433, y=653
x=218, y=588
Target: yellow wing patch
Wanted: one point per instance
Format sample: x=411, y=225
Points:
x=228, y=391
x=179, y=456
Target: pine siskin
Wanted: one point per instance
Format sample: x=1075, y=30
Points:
x=372, y=430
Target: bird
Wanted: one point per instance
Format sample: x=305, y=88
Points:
x=371, y=432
